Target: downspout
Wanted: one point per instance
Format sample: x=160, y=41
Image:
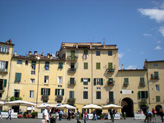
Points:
x=8, y=80
x=38, y=83
x=148, y=85
x=92, y=77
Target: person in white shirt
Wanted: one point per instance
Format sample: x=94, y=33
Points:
x=46, y=114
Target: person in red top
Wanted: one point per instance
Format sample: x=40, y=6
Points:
x=85, y=117
x=154, y=115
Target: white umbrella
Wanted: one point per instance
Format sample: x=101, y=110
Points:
x=66, y=106
x=92, y=106
x=111, y=106
x=20, y=102
x=1, y=103
x=44, y=105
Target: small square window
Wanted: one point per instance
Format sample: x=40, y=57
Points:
x=32, y=81
x=19, y=61
x=155, y=65
x=46, y=79
x=157, y=88
x=109, y=53
x=33, y=72
x=26, y=62
x=97, y=53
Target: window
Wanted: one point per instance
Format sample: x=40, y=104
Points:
x=85, y=88
x=85, y=95
x=31, y=94
x=59, y=86
x=98, y=88
x=97, y=65
x=33, y=72
x=111, y=96
x=46, y=65
x=72, y=65
x=142, y=94
x=126, y=81
x=19, y=61
x=59, y=80
x=142, y=81
x=60, y=65
x=3, y=65
x=45, y=91
x=26, y=62
x=33, y=64
x=109, y=53
x=17, y=77
x=85, y=52
x=71, y=94
x=98, y=95
x=157, y=88
x=155, y=65
x=3, y=83
x=110, y=65
x=16, y=93
x=85, y=81
x=97, y=53
x=158, y=99
x=59, y=92
x=46, y=79
x=85, y=65
x=98, y=81
x=4, y=49
x=32, y=81
x=156, y=75
x=72, y=80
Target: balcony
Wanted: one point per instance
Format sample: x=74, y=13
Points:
x=72, y=58
x=72, y=70
x=154, y=78
x=110, y=82
x=59, y=98
x=110, y=70
x=72, y=83
x=4, y=71
x=45, y=98
x=143, y=100
x=110, y=101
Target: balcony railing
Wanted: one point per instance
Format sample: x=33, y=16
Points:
x=59, y=98
x=3, y=71
x=72, y=58
x=142, y=83
x=72, y=70
x=143, y=100
x=45, y=97
x=72, y=83
x=110, y=83
x=110, y=70
x=110, y=101
x=155, y=78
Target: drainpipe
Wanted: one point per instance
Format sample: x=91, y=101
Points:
x=38, y=83
x=148, y=85
x=92, y=76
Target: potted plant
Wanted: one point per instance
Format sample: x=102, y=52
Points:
x=102, y=116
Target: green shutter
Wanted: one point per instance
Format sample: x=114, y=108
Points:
x=88, y=79
x=85, y=83
x=152, y=76
x=62, y=92
x=110, y=65
x=48, y=91
x=76, y=65
x=33, y=62
x=142, y=81
x=46, y=63
x=85, y=65
x=6, y=66
x=139, y=94
x=111, y=96
x=94, y=81
x=56, y=90
x=157, y=98
x=126, y=81
x=4, y=83
x=101, y=81
x=97, y=65
x=72, y=54
x=17, y=77
x=86, y=52
x=81, y=79
x=41, y=91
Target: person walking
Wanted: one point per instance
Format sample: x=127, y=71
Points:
x=161, y=114
x=85, y=116
x=111, y=112
x=94, y=115
x=154, y=115
x=69, y=115
x=1, y=113
x=46, y=114
x=78, y=115
x=9, y=114
x=53, y=116
x=60, y=115
x=149, y=116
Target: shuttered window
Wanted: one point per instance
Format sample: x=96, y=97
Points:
x=110, y=65
x=46, y=65
x=142, y=81
x=17, y=77
x=111, y=96
x=98, y=65
x=85, y=52
x=60, y=65
x=126, y=81
x=142, y=94
x=158, y=99
x=4, y=83
x=59, y=92
x=156, y=75
x=85, y=95
x=71, y=94
x=45, y=91
x=109, y=53
x=72, y=80
x=85, y=65
x=98, y=95
x=98, y=81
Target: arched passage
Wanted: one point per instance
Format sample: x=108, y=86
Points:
x=127, y=105
x=157, y=108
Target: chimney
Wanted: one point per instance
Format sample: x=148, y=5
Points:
x=35, y=52
x=42, y=54
x=91, y=45
x=104, y=44
x=15, y=53
x=122, y=67
x=10, y=41
x=29, y=53
x=76, y=45
x=48, y=55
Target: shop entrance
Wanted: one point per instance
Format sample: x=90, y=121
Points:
x=127, y=105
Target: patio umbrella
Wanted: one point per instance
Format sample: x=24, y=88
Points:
x=111, y=106
x=66, y=106
x=19, y=102
x=1, y=103
x=92, y=106
x=44, y=105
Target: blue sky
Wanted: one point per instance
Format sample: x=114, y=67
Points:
x=135, y=26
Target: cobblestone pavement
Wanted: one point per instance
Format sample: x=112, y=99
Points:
x=128, y=120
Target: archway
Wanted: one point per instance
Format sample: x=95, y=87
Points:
x=127, y=105
x=157, y=108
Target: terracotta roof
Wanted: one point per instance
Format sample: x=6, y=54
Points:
x=154, y=61
x=133, y=70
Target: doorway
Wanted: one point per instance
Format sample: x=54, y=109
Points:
x=127, y=105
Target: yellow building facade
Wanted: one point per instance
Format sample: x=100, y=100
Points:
x=84, y=72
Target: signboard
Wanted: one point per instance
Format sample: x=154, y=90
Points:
x=126, y=92
x=13, y=115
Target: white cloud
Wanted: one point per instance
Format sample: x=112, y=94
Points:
x=128, y=49
x=131, y=67
x=121, y=55
x=158, y=42
x=158, y=48
x=157, y=14
x=161, y=29
x=146, y=34
x=142, y=52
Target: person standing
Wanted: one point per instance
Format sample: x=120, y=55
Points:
x=9, y=114
x=60, y=115
x=69, y=115
x=161, y=114
x=85, y=116
x=78, y=115
x=53, y=116
x=154, y=114
x=94, y=115
x=111, y=112
x=46, y=114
